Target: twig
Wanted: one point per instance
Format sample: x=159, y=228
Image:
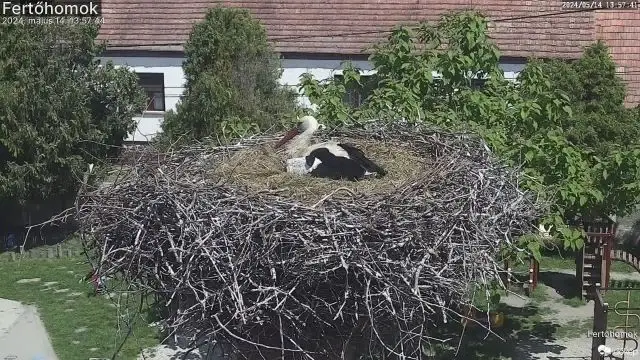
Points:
x=261, y=272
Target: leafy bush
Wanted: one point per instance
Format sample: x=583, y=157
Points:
x=60, y=109
x=232, y=79
x=529, y=122
x=600, y=122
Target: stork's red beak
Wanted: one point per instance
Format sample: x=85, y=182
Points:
x=288, y=136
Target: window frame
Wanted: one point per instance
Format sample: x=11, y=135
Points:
x=478, y=83
x=352, y=93
x=153, y=85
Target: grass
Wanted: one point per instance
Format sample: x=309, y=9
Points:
x=619, y=298
x=537, y=324
x=539, y=294
x=573, y=327
x=558, y=262
x=103, y=334
x=567, y=262
x=79, y=324
x=617, y=266
x=521, y=326
x=573, y=302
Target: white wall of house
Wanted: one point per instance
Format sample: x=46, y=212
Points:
x=149, y=122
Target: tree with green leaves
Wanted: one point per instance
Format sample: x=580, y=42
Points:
x=60, y=109
x=232, y=80
x=600, y=121
x=528, y=123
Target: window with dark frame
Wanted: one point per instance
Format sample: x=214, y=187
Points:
x=153, y=85
x=478, y=84
x=356, y=95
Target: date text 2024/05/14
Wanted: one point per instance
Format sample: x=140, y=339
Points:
x=601, y=5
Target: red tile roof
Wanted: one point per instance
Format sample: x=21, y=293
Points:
x=322, y=26
x=307, y=26
x=620, y=29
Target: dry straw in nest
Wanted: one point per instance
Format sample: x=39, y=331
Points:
x=284, y=266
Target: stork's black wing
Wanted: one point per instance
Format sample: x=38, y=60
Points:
x=359, y=156
x=333, y=167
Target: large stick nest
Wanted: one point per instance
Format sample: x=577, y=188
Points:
x=240, y=252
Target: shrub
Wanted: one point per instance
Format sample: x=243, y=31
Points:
x=60, y=109
x=232, y=80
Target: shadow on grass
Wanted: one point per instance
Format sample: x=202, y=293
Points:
x=524, y=334
x=566, y=285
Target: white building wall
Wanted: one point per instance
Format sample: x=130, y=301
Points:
x=149, y=122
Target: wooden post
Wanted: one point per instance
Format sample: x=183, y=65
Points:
x=604, y=269
x=611, y=242
x=507, y=283
x=600, y=309
x=606, y=261
x=580, y=268
x=533, y=274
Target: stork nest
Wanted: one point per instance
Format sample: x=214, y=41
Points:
x=279, y=265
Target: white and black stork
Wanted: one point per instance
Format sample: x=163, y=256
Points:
x=328, y=159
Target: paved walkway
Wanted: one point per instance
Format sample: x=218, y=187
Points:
x=576, y=347
x=22, y=334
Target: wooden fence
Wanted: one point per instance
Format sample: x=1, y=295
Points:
x=49, y=252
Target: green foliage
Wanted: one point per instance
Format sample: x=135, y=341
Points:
x=600, y=122
x=601, y=126
x=530, y=123
x=60, y=109
x=232, y=79
x=329, y=95
x=528, y=245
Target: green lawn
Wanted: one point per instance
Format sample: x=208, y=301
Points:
x=533, y=324
x=80, y=325
x=619, y=298
x=612, y=297
x=525, y=324
x=567, y=262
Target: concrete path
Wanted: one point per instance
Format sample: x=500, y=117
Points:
x=22, y=333
x=577, y=346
